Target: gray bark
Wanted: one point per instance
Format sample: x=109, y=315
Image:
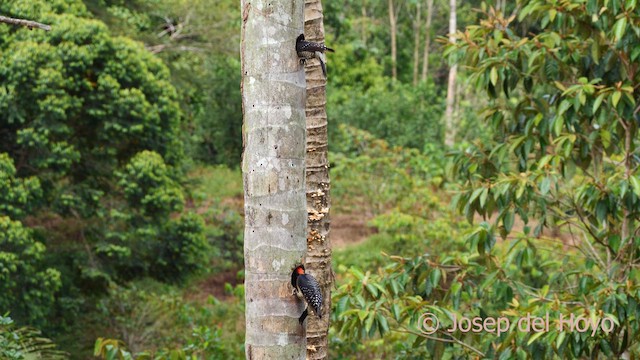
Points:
x=416, y=45
x=273, y=98
x=449, y=116
x=427, y=40
x=365, y=21
x=394, y=50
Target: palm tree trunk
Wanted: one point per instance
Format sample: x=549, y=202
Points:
x=317, y=177
x=273, y=92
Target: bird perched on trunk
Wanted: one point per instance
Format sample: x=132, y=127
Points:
x=308, y=286
x=308, y=50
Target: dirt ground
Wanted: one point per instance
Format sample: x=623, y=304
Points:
x=214, y=286
x=346, y=229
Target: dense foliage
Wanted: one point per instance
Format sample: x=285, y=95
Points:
x=564, y=165
x=91, y=160
x=200, y=48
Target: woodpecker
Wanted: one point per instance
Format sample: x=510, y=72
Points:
x=308, y=50
x=308, y=286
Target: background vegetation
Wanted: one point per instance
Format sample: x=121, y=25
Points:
x=121, y=200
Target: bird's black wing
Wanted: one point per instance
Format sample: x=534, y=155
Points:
x=312, y=293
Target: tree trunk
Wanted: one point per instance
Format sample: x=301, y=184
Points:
x=273, y=96
x=416, y=45
x=317, y=178
x=363, y=11
x=394, y=56
x=427, y=40
x=450, y=123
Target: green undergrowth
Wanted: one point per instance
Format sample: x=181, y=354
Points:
x=216, y=182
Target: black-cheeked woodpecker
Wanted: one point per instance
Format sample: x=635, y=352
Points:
x=310, y=290
x=308, y=50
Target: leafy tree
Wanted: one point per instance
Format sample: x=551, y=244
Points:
x=148, y=186
x=92, y=123
x=78, y=101
x=199, y=47
x=565, y=108
x=561, y=78
x=27, y=284
x=146, y=240
x=567, y=123
x=17, y=196
x=401, y=114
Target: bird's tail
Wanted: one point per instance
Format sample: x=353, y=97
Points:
x=324, y=67
x=329, y=49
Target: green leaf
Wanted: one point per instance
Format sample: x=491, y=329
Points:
x=619, y=27
x=395, y=287
x=492, y=91
x=605, y=136
x=582, y=97
x=535, y=337
x=564, y=106
x=372, y=290
x=369, y=322
x=494, y=76
x=97, y=346
x=384, y=325
x=545, y=185
x=557, y=125
x=528, y=84
x=560, y=338
x=483, y=197
x=342, y=304
x=475, y=195
x=635, y=183
x=357, y=273
x=395, y=309
x=601, y=211
x=434, y=277
x=508, y=220
x=595, y=52
x=489, y=279
x=615, y=98
x=560, y=86
x=597, y=102
x=614, y=243
x=521, y=188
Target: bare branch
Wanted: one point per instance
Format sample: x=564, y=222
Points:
x=155, y=49
x=28, y=23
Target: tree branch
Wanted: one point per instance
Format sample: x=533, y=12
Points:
x=28, y=23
